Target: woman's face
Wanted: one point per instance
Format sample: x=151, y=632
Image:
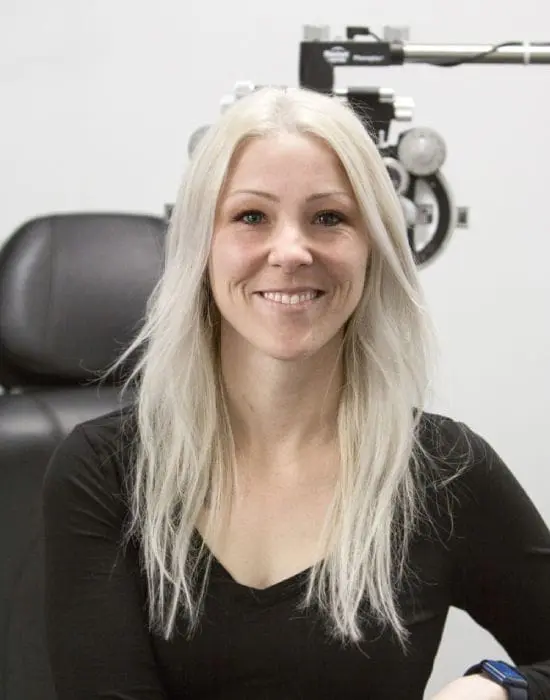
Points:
x=289, y=251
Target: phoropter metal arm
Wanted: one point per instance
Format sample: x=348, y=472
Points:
x=319, y=56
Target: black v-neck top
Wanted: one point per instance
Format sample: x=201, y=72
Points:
x=488, y=553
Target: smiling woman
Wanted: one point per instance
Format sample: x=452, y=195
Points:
x=289, y=252
x=276, y=515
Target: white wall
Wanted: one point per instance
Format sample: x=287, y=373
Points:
x=99, y=98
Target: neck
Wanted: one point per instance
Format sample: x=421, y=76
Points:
x=282, y=409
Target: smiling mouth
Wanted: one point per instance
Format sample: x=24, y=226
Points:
x=292, y=299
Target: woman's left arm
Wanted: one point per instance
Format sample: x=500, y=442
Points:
x=502, y=572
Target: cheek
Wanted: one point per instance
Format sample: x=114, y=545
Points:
x=360, y=259
x=350, y=263
x=229, y=262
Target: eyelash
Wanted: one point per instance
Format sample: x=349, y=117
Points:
x=342, y=219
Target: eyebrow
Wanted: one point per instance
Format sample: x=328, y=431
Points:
x=274, y=198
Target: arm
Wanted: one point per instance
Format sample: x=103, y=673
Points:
x=97, y=634
x=502, y=572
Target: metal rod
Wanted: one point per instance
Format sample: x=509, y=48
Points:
x=527, y=53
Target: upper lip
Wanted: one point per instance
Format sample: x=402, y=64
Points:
x=287, y=290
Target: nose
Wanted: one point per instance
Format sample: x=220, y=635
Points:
x=289, y=247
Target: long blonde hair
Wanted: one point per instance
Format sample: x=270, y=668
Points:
x=184, y=452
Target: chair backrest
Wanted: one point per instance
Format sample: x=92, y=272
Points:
x=73, y=293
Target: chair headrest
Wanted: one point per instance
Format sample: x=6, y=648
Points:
x=73, y=293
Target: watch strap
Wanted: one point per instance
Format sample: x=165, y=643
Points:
x=514, y=693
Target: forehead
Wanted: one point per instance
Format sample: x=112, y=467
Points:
x=285, y=158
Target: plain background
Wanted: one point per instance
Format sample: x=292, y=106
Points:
x=99, y=98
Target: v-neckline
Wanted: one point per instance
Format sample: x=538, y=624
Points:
x=272, y=593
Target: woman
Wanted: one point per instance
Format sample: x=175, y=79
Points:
x=275, y=515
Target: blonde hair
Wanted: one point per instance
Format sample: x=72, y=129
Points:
x=184, y=451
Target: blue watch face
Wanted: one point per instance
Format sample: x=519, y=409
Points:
x=504, y=673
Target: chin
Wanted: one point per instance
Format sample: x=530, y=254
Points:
x=288, y=356
x=289, y=352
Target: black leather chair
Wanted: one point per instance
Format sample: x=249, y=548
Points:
x=73, y=291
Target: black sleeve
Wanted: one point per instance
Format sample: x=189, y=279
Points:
x=97, y=635
x=502, y=575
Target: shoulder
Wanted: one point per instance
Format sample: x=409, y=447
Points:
x=116, y=430
x=459, y=468
x=95, y=455
x=453, y=448
x=464, y=471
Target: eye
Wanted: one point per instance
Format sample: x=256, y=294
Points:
x=252, y=217
x=331, y=218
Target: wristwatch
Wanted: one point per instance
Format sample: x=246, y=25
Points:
x=505, y=675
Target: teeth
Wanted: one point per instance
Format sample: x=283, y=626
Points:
x=289, y=298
